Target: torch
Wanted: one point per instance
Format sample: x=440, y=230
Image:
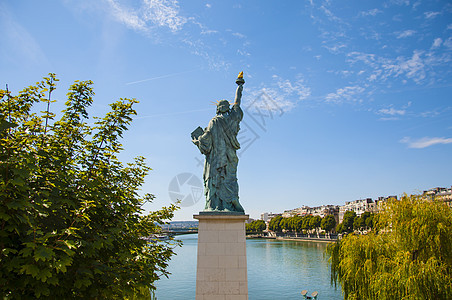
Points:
x=240, y=80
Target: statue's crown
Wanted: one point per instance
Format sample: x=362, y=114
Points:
x=222, y=102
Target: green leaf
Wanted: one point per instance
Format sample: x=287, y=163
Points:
x=61, y=264
x=4, y=216
x=6, y=251
x=32, y=270
x=44, y=274
x=70, y=244
x=26, y=252
x=82, y=282
x=5, y=125
x=43, y=253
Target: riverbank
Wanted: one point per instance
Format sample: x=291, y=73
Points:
x=291, y=238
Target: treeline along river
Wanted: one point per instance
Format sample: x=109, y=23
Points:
x=277, y=269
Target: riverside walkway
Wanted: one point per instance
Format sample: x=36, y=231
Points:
x=300, y=237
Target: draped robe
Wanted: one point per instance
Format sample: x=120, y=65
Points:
x=219, y=144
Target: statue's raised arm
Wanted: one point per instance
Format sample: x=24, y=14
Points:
x=238, y=93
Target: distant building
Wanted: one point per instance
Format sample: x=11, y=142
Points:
x=321, y=211
x=266, y=217
x=179, y=225
x=358, y=206
x=431, y=193
x=439, y=193
x=249, y=220
x=446, y=196
x=379, y=202
x=288, y=213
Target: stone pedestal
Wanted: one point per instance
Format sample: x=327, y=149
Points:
x=221, y=269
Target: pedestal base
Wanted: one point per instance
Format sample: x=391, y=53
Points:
x=221, y=267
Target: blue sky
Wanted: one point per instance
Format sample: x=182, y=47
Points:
x=343, y=99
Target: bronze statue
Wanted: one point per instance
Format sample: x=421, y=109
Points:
x=218, y=142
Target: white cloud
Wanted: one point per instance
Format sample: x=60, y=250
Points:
x=239, y=35
x=335, y=49
x=431, y=14
x=346, y=94
x=430, y=114
x=330, y=15
x=149, y=15
x=435, y=112
x=208, y=31
x=160, y=13
x=164, y=13
x=270, y=100
x=425, y=142
x=127, y=16
x=413, y=67
x=406, y=33
x=401, y=2
x=297, y=88
x=389, y=118
x=448, y=43
x=372, y=12
x=392, y=111
x=208, y=5
x=449, y=27
x=283, y=95
x=436, y=43
x=243, y=53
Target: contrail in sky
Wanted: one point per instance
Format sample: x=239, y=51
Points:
x=160, y=77
x=173, y=113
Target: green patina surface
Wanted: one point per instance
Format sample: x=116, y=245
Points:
x=218, y=142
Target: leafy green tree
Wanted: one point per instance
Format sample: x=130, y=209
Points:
x=289, y=224
x=328, y=223
x=256, y=226
x=365, y=216
x=298, y=224
x=370, y=221
x=284, y=224
x=358, y=223
x=408, y=256
x=340, y=228
x=259, y=225
x=274, y=224
x=348, y=220
x=72, y=222
x=306, y=222
x=315, y=222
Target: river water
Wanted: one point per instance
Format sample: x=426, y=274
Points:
x=276, y=270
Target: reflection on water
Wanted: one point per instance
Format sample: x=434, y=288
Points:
x=282, y=269
x=276, y=270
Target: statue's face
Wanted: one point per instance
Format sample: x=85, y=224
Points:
x=223, y=106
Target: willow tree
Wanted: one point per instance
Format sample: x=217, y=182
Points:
x=71, y=216
x=408, y=256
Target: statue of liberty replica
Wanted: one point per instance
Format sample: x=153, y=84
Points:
x=218, y=142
